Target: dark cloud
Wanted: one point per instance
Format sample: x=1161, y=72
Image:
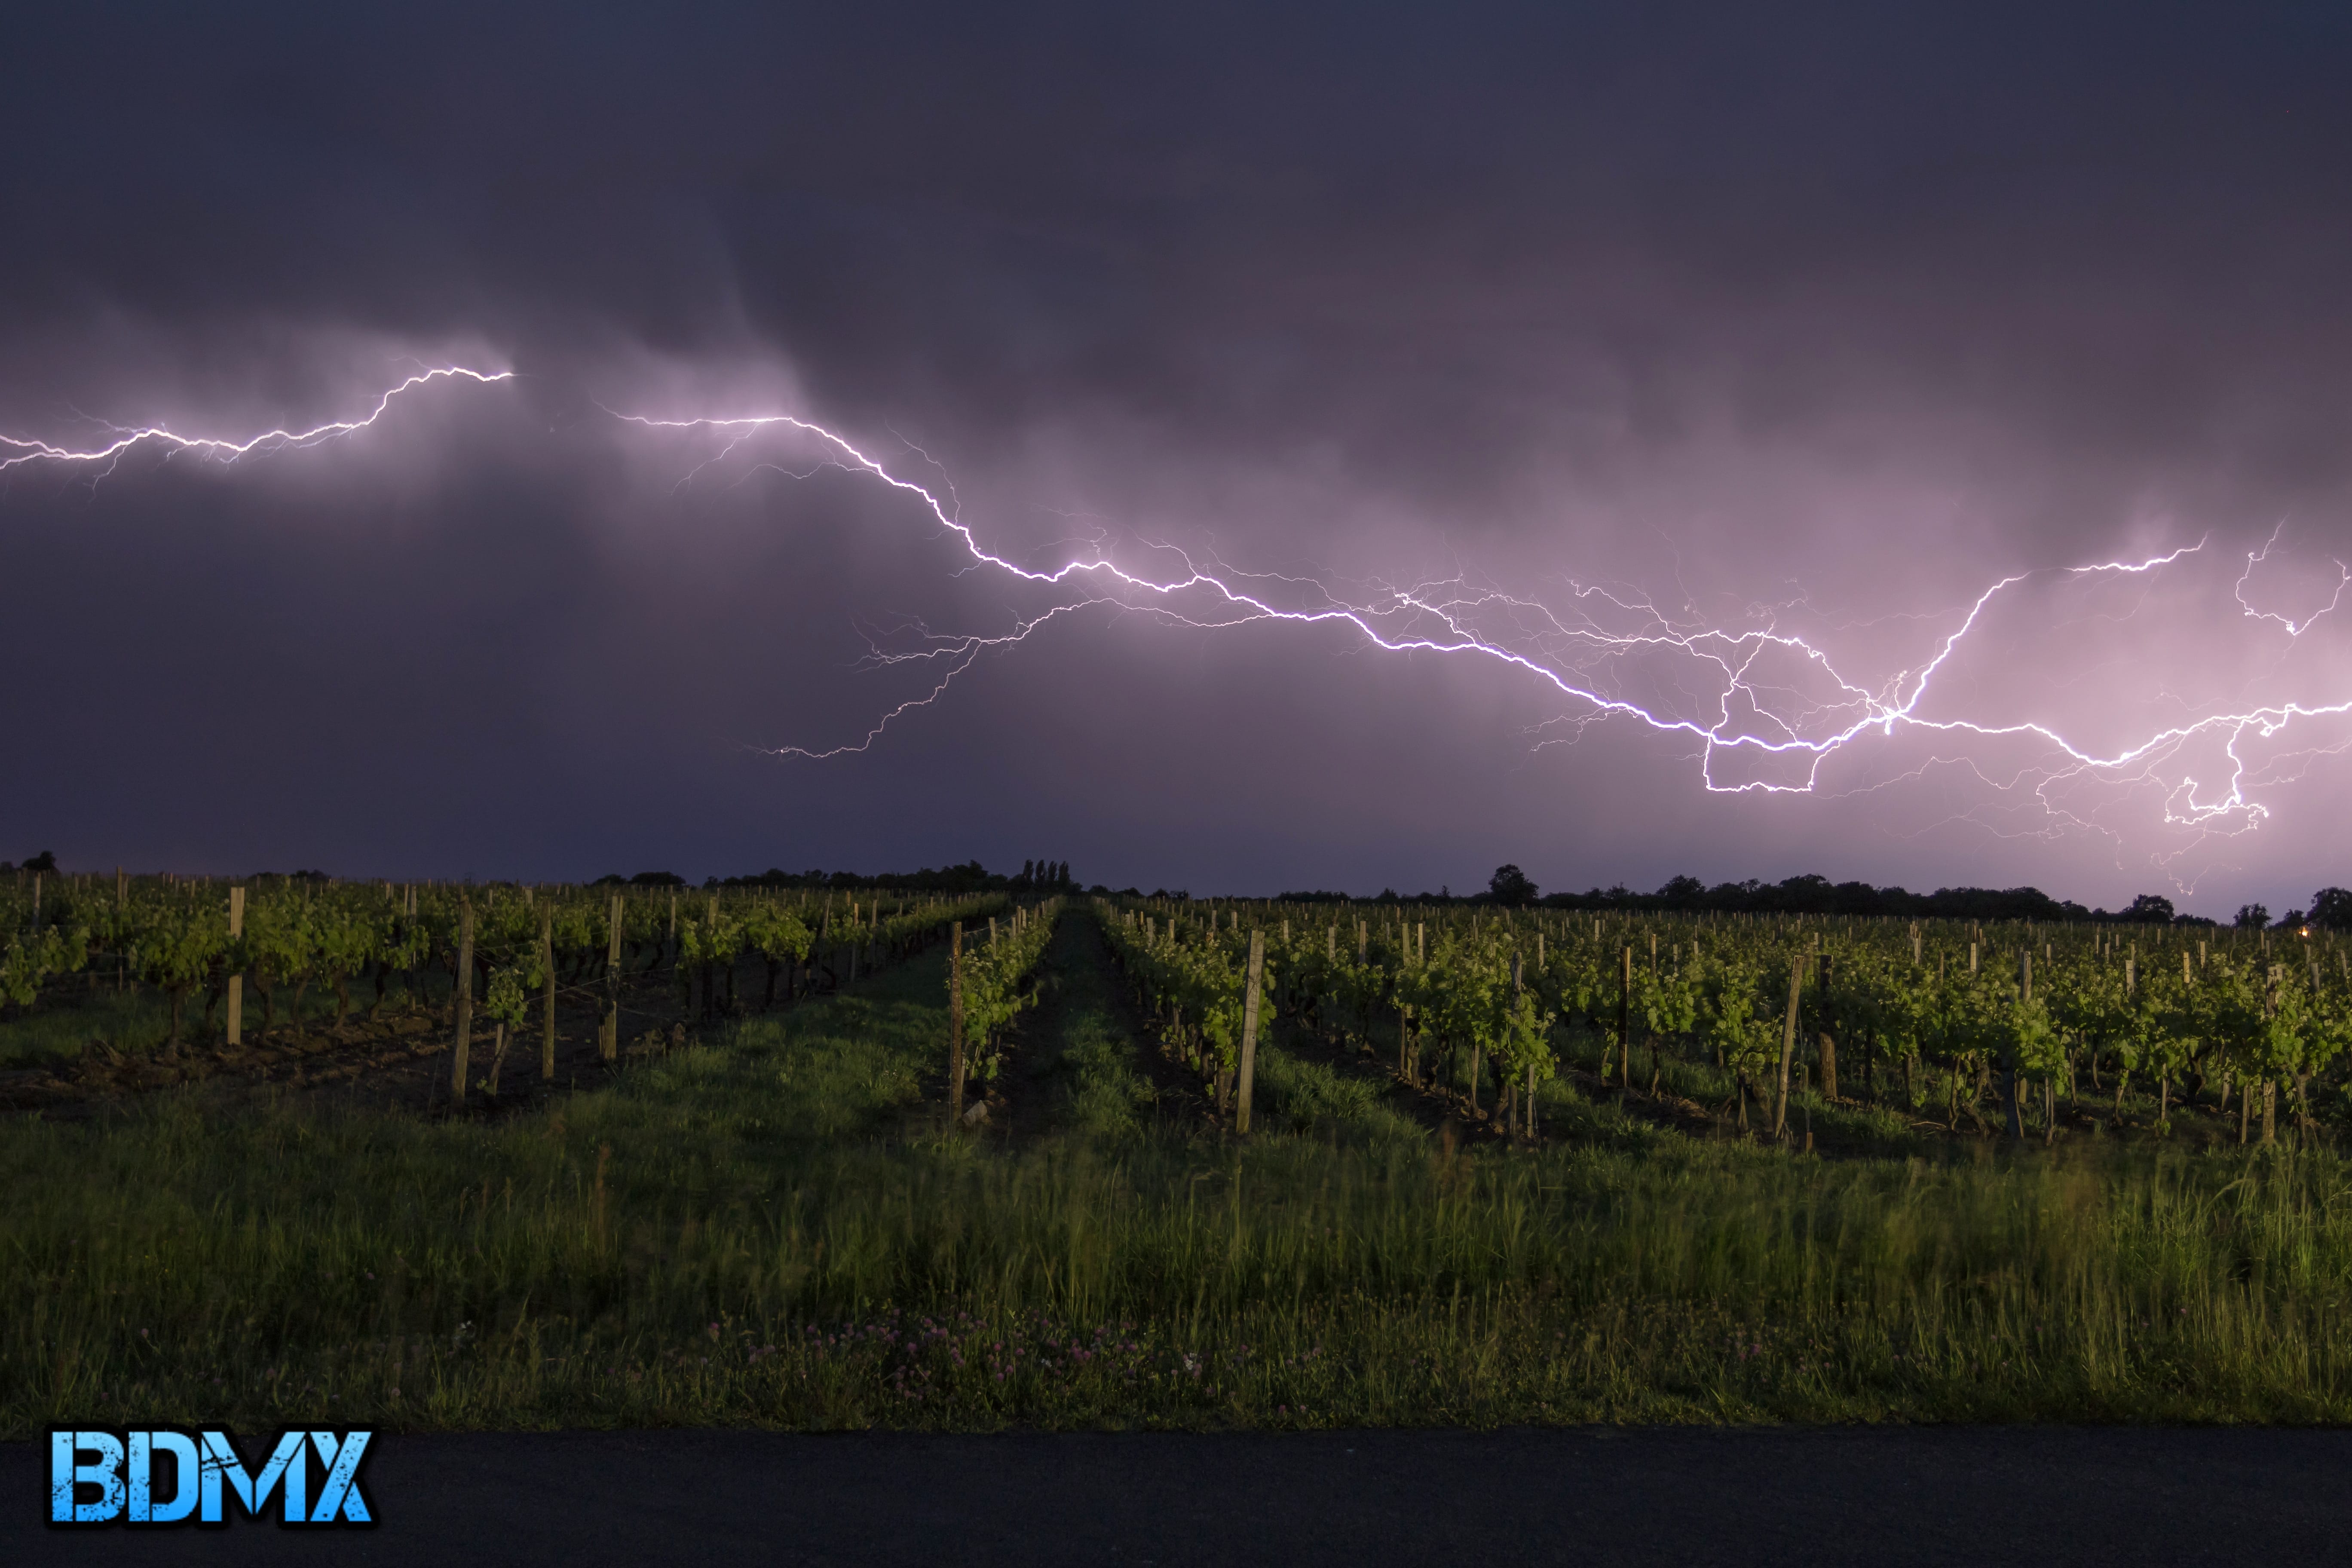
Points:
x=1849, y=309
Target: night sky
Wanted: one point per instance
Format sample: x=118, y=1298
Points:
x=1818, y=318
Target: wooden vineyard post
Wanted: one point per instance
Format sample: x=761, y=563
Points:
x=608, y=1041
x=1829, y=1041
x=955, y=1025
x=2013, y=1090
x=1787, y=1044
x=1625, y=1018
x=1503, y=1082
x=236, y=978
x=1249, y=1031
x=1408, y=1059
x=547, y=991
x=705, y=970
x=465, y=1007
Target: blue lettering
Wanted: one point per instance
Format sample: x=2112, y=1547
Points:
x=144, y=1446
x=66, y=1474
x=339, y=1492
x=284, y=1466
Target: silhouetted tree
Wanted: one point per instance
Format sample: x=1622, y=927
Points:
x=1509, y=886
x=1683, y=891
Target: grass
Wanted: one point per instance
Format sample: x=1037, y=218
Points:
x=135, y=1021
x=138, y=1022
x=1313, y=1099
x=770, y=1230
x=1104, y=1097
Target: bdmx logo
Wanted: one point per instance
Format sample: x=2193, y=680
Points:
x=161, y=1475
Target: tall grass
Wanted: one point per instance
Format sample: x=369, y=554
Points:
x=138, y=1022
x=771, y=1230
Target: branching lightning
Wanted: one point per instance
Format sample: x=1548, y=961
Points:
x=2294, y=628
x=1764, y=710
x=121, y=438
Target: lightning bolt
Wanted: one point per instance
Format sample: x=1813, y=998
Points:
x=1767, y=694
x=121, y=438
x=2294, y=628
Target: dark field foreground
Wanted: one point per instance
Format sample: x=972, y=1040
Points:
x=1971, y=1497
x=772, y=1230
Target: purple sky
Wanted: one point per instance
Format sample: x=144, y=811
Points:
x=1817, y=319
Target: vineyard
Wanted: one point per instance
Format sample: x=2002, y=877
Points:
x=778, y=1156
x=115, y=983
x=1881, y=1025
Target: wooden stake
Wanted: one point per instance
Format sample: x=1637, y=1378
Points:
x=236, y=980
x=1249, y=1029
x=955, y=1025
x=2014, y=1084
x=1787, y=1043
x=547, y=992
x=1626, y=1018
x=1829, y=1041
x=1518, y=987
x=609, y=1040
x=464, y=1001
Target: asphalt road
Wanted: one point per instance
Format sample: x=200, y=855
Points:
x=1974, y=1496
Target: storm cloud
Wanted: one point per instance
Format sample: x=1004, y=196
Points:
x=1821, y=318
